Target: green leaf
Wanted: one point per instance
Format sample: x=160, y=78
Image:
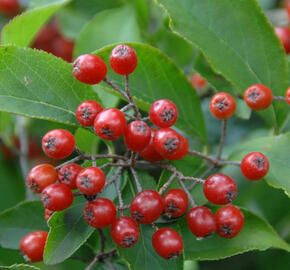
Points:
x=87, y=141
x=112, y=26
x=20, y=267
x=277, y=149
x=40, y=85
x=142, y=255
x=12, y=189
x=242, y=46
x=156, y=77
x=68, y=231
x=20, y=220
x=21, y=30
x=10, y=256
x=257, y=234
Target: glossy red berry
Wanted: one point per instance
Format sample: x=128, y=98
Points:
x=175, y=203
x=197, y=81
x=47, y=214
x=110, y=124
x=258, y=97
x=229, y=221
x=58, y=143
x=87, y=111
x=32, y=246
x=57, y=197
x=91, y=180
x=182, y=151
x=67, y=175
x=222, y=105
x=137, y=135
x=100, y=213
x=167, y=142
x=288, y=96
x=147, y=206
x=255, y=166
x=163, y=113
x=201, y=221
x=89, y=69
x=220, y=189
x=40, y=177
x=283, y=34
x=10, y=7
x=149, y=153
x=167, y=243
x=123, y=59
x=125, y=232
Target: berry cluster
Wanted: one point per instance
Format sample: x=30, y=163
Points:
x=154, y=145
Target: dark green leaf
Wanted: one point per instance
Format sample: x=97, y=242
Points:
x=112, y=26
x=40, y=85
x=277, y=149
x=257, y=234
x=20, y=220
x=242, y=46
x=156, y=77
x=68, y=231
x=10, y=256
x=21, y=30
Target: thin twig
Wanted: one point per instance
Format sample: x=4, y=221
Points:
x=127, y=107
x=137, y=181
x=132, y=117
x=94, y=163
x=192, y=203
x=100, y=258
x=155, y=228
x=279, y=98
x=116, y=183
x=116, y=88
x=125, y=207
x=77, y=158
x=131, y=100
x=205, y=157
x=116, y=176
x=166, y=185
x=228, y=162
x=223, y=138
x=103, y=240
x=134, y=156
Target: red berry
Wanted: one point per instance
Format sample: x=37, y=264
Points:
x=175, y=203
x=89, y=69
x=67, y=175
x=255, y=166
x=167, y=142
x=220, y=189
x=201, y=221
x=125, y=232
x=87, y=111
x=167, y=243
x=123, y=59
x=137, y=135
x=197, y=81
x=110, y=124
x=147, y=206
x=10, y=7
x=91, y=180
x=149, y=153
x=63, y=48
x=288, y=9
x=283, y=34
x=32, y=246
x=40, y=177
x=288, y=96
x=163, y=113
x=229, y=221
x=258, y=97
x=100, y=213
x=182, y=151
x=47, y=214
x=58, y=143
x=57, y=197
x=222, y=105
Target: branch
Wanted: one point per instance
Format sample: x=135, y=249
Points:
x=131, y=100
x=103, y=240
x=114, y=178
x=279, y=98
x=223, y=138
x=135, y=175
x=205, y=157
x=101, y=257
x=116, y=88
x=166, y=185
x=192, y=202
